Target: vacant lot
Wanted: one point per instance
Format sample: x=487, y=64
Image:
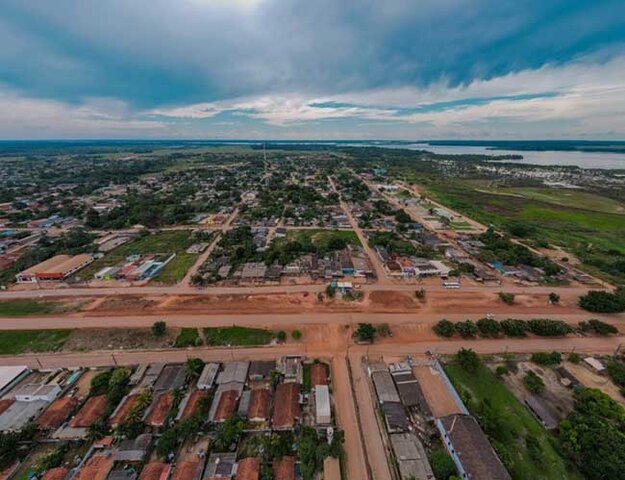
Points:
x=237, y=336
x=20, y=308
x=321, y=238
x=188, y=337
x=14, y=342
x=162, y=242
x=513, y=423
x=113, y=338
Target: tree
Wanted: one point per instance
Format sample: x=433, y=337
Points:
x=501, y=370
x=159, y=328
x=592, y=435
x=514, y=327
x=575, y=358
x=420, y=294
x=507, y=298
x=546, y=359
x=600, y=301
x=599, y=327
x=228, y=432
x=365, y=332
x=533, y=382
x=554, y=298
x=442, y=464
x=489, y=327
x=546, y=327
x=467, y=329
x=193, y=369
x=444, y=328
x=281, y=336
x=296, y=334
x=331, y=291
x=468, y=359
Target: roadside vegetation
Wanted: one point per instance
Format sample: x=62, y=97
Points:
x=237, y=336
x=188, y=337
x=15, y=342
x=524, y=446
x=23, y=308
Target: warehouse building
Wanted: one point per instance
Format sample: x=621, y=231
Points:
x=323, y=412
x=58, y=267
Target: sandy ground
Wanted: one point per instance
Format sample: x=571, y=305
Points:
x=592, y=380
x=373, y=437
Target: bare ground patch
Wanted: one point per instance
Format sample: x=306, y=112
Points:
x=86, y=339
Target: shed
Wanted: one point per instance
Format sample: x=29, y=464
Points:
x=385, y=387
x=323, y=411
x=207, y=377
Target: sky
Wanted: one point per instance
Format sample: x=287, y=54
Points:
x=322, y=69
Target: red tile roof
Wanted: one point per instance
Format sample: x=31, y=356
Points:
x=284, y=468
x=318, y=374
x=57, y=412
x=287, y=409
x=248, y=469
x=227, y=405
x=155, y=471
x=259, y=404
x=122, y=411
x=160, y=409
x=92, y=410
x=57, y=473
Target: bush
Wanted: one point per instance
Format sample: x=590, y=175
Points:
x=468, y=359
x=420, y=294
x=507, y=298
x=602, y=328
x=383, y=330
x=533, y=383
x=501, y=370
x=488, y=327
x=616, y=371
x=444, y=328
x=514, y=328
x=365, y=332
x=544, y=358
x=600, y=301
x=545, y=327
x=554, y=298
x=466, y=329
x=575, y=358
x=331, y=291
x=442, y=464
x=534, y=449
x=159, y=328
x=281, y=336
x=296, y=334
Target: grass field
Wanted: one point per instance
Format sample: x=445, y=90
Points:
x=188, y=337
x=13, y=342
x=320, y=238
x=22, y=308
x=237, y=336
x=584, y=224
x=174, y=241
x=517, y=421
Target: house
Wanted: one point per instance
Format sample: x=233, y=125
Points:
x=291, y=367
x=259, y=406
x=220, y=465
x=170, y=378
x=542, y=413
x=11, y=376
x=260, y=370
x=58, y=267
x=595, y=365
x=134, y=449
x=469, y=448
x=248, y=469
x=208, y=376
x=234, y=372
x=284, y=468
x=318, y=374
x=37, y=391
x=395, y=417
x=323, y=412
x=408, y=389
x=385, y=387
x=226, y=405
x=411, y=457
x=20, y=413
x=287, y=411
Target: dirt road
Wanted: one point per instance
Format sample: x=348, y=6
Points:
x=380, y=274
x=376, y=452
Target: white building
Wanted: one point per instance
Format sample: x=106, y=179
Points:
x=323, y=412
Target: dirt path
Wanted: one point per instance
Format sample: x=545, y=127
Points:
x=376, y=452
x=347, y=420
x=380, y=274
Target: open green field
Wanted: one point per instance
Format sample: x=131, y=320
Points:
x=587, y=225
x=22, y=308
x=14, y=342
x=515, y=423
x=188, y=337
x=237, y=336
x=321, y=238
x=173, y=241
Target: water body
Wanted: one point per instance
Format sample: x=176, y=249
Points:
x=609, y=161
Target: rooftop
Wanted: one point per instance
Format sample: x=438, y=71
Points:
x=287, y=409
